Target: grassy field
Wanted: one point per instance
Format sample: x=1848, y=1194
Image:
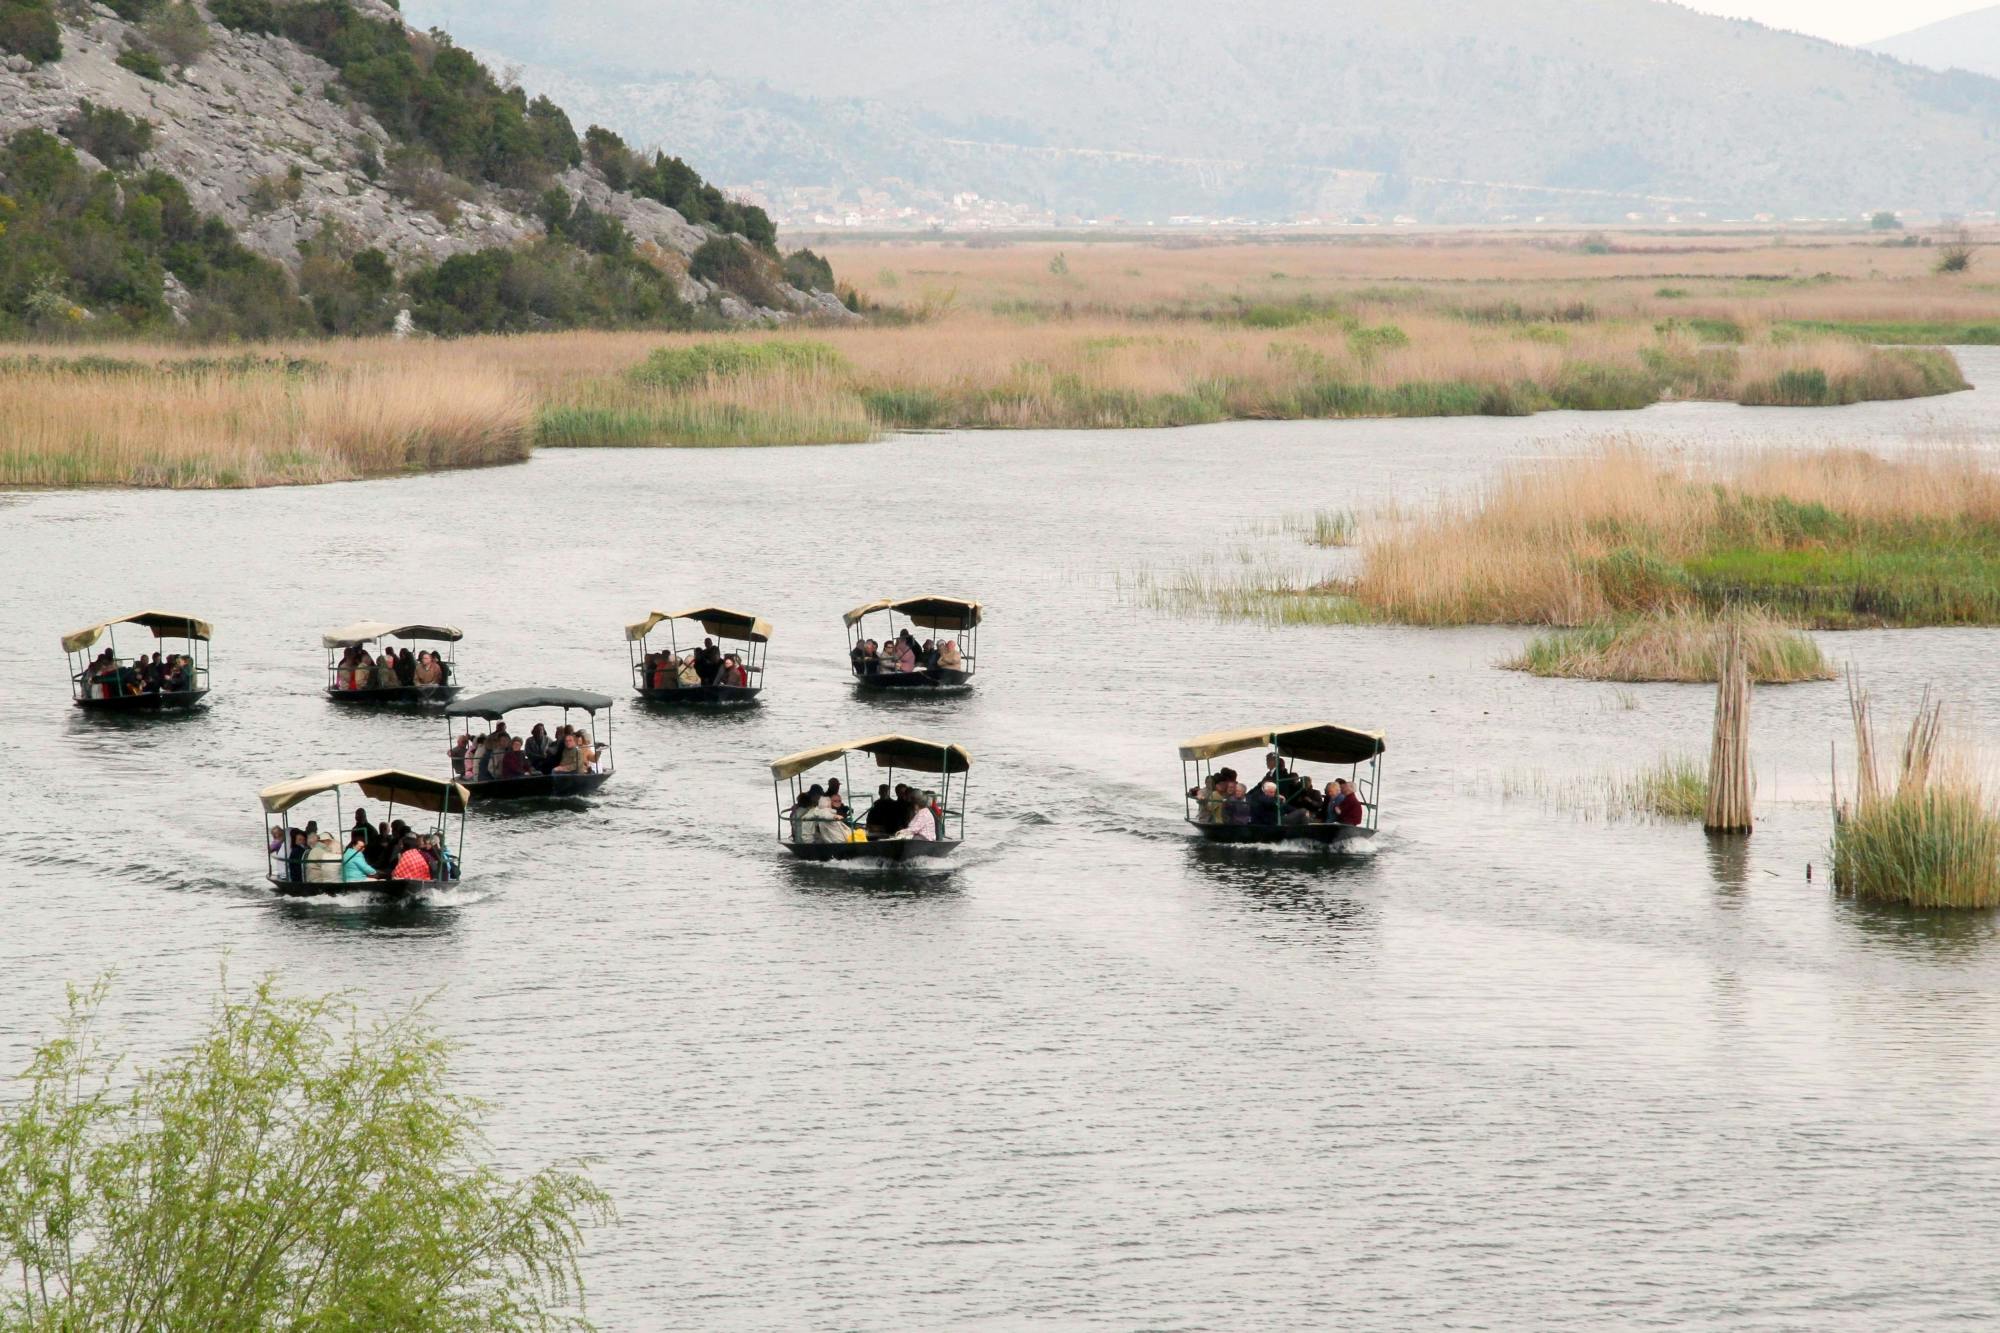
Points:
x=1093, y=335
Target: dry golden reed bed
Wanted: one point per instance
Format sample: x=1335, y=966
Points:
x=1831, y=538
x=239, y=425
x=1032, y=335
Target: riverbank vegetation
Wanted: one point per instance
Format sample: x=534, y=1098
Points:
x=296, y=1167
x=1676, y=644
x=1118, y=335
x=249, y=420
x=1828, y=539
x=1927, y=835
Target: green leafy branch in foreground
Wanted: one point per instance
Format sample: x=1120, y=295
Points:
x=296, y=1168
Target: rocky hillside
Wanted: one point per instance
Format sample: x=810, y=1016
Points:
x=323, y=130
x=1440, y=109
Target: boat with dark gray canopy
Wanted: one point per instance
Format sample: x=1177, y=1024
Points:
x=810, y=831
x=1288, y=814
x=481, y=762
x=353, y=676
x=108, y=683
x=722, y=675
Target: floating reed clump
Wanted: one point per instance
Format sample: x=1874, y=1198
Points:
x=1727, y=809
x=1680, y=644
x=1930, y=838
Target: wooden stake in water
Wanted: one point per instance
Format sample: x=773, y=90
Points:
x=1729, y=757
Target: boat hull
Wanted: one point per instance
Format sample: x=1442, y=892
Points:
x=408, y=696
x=936, y=678
x=704, y=696
x=889, y=851
x=536, y=787
x=1324, y=834
x=385, y=888
x=178, y=701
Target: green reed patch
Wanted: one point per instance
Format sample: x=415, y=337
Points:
x=1673, y=646
x=1914, y=333
x=686, y=367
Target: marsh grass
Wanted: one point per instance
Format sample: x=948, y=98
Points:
x=1829, y=539
x=1125, y=335
x=197, y=424
x=1929, y=837
x=1678, y=644
x=1669, y=788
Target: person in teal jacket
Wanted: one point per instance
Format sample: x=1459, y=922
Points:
x=354, y=861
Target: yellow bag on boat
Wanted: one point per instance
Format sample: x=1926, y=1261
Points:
x=859, y=835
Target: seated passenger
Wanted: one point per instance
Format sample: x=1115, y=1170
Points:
x=819, y=821
x=689, y=676
x=354, y=863
x=576, y=755
x=385, y=671
x=514, y=762
x=1347, y=807
x=1306, y=805
x=949, y=657
x=1235, y=800
x=406, y=668
x=1207, y=800
x=1265, y=807
x=919, y=825
x=295, y=856
x=835, y=799
x=537, y=748
x=430, y=670
x=322, y=860
x=884, y=817
x=929, y=655
x=410, y=863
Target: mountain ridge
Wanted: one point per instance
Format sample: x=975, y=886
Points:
x=1503, y=104
x=1968, y=41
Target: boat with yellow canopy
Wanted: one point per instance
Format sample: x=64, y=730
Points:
x=713, y=675
x=357, y=679
x=812, y=833
x=110, y=684
x=953, y=643
x=298, y=868
x=1287, y=815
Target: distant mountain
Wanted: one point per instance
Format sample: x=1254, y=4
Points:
x=1969, y=41
x=1445, y=109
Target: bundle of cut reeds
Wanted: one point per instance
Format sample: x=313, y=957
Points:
x=1729, y=755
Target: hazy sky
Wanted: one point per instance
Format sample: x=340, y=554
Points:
x=1841, y=20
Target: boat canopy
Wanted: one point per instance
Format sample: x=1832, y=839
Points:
x=366, y=631
x=1314, y=742
x=719, y=621
x=891, y=751
x=381, y=784
x=164, y=624
x=952, y=613
x=496, y=704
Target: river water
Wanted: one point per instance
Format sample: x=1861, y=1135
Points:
x=1520, y=1067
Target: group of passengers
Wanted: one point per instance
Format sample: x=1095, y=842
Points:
x=904, y=654
x=108, y=678
x=496, y=755
x=391, y=671
x=822, y=814
x=1280, y=798
x=706, y=665
x=389, y=850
